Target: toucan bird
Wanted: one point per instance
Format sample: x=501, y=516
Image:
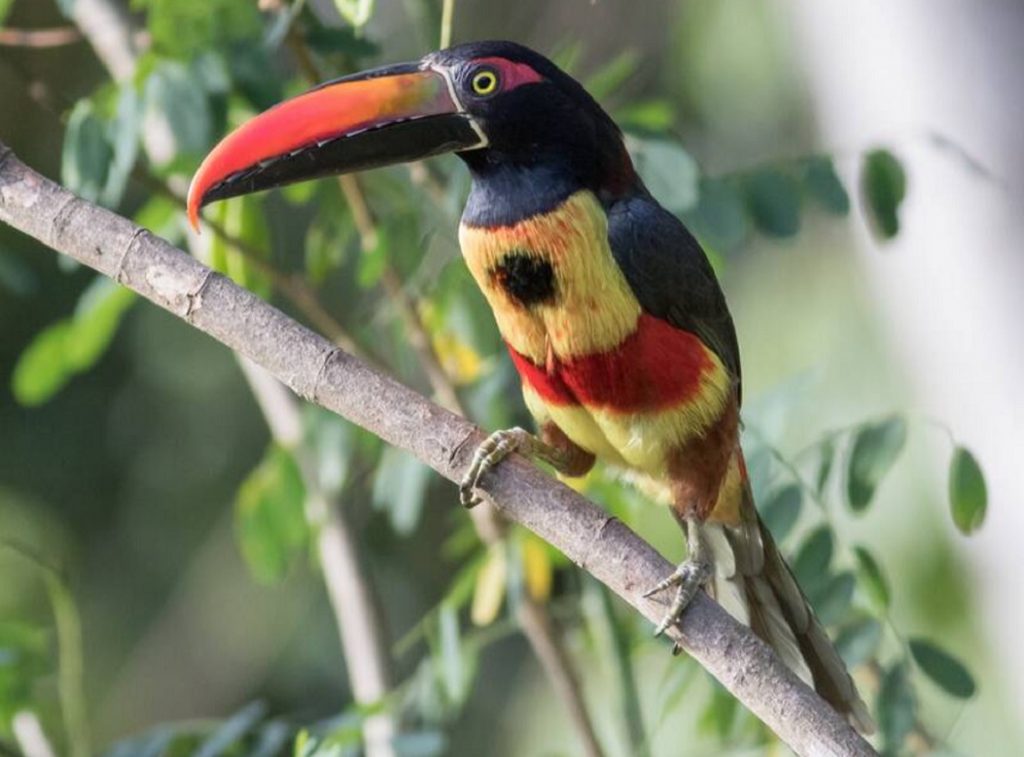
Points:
x=611, y=313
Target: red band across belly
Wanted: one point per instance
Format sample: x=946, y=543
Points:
x=657, y=366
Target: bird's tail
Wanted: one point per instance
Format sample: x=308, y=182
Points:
x=755, y=585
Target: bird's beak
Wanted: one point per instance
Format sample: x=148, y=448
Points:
x=377, y=118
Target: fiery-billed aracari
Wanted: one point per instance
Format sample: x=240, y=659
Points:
x=610, y=310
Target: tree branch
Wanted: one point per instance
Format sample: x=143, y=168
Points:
x=320, y=372
x=534, y=620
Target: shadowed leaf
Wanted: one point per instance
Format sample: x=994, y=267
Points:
x=269, y=516
x=822, y=183
x=782, y=510
x=875, y=448
x=872, y=579
x=773, y=199
x=895, y=707
x=947, y=672
x=858, y=641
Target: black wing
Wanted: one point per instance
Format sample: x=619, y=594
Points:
x=670, y=275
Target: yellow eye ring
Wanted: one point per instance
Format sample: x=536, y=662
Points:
x=484, y=82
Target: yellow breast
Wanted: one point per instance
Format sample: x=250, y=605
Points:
x=595, y=308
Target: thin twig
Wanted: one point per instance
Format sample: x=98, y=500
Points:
x=447, y=17
x=108, y=28
x=29, y=734
x=351, y=595
x=538, y=627
x=39, y=38
x=316, y=369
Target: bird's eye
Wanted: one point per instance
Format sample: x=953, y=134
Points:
x=484, y=82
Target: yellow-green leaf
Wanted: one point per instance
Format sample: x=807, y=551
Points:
x=97, y=316
x=42, y=369
x=269, y=516
x=537, y=568
x=968, y=494
x=489, y=592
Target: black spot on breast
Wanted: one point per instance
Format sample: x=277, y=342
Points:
x=526, y=278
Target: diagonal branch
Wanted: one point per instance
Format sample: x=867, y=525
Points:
x=536, y=623
x=320, y=372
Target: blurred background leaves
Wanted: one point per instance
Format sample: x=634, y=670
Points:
x=132, y=455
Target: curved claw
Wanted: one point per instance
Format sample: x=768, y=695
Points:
x=690, y=576
x=491, y=451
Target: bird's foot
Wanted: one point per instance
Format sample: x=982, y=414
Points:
x=492, y=451
x=689, y=577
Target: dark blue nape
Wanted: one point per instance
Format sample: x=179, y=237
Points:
x=504, y=194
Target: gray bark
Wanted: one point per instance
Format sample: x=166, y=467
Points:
x=320, y=372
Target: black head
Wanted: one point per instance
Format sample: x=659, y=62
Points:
x=499, y=105
x=534, y=113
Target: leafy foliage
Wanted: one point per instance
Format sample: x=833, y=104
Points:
x=941, y=667
x=875, y=449
x=212, y=64
x=72, y=345
x=269, y=515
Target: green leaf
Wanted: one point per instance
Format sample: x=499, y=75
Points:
x=172, y=94
x=87, y=154
x=895, y=707
x=270, y=520
x=123, y=136
x=782, y=511
x=968, y=494
x=948, y=673
x=832, y=598
x=875, y=449
x=231, y=731
x=883, y=185
x=355, y=12
x=373, y=262
x=425, y=743
x=872, y=578
x=400, y=488
x=858, y=641
x=452, y=673
x=822, y=183
x=719, y=714
x=773, y=199
x=185, y=28
x=97, y=317
x=160, y=216
x=653, y=116
x=668, y=171
x=610, y=77
x=827, y=452
x=5, y=7
x=718, y=218
x=343, y=39
x=242, y=219
x=24, y=658
x=42, y=369
x=813, y=560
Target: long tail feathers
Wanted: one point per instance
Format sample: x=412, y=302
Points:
x=755, y=585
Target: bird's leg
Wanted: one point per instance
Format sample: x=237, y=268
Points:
x=555, y=449
x=690, y=576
